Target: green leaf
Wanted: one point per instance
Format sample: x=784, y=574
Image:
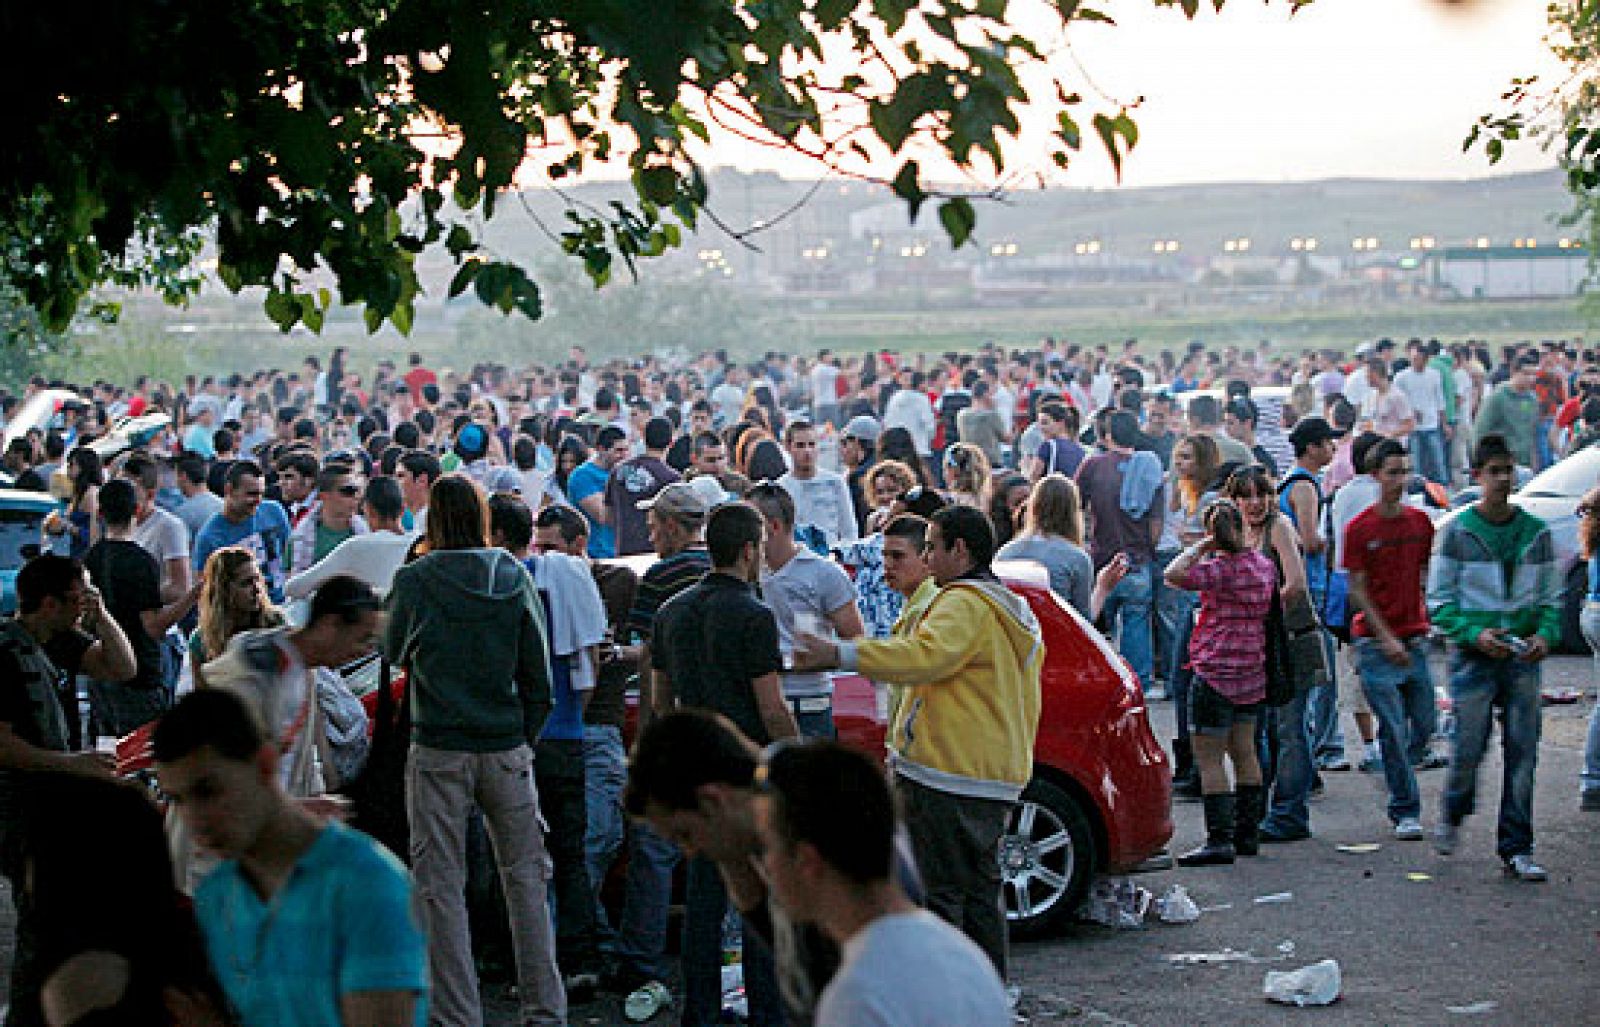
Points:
x=906, y=186
x=1070, y=133
x=282, y=308
x=657, y=184
x=958, y=219
x=459, y=241
x=464, y=276
x=401, y=317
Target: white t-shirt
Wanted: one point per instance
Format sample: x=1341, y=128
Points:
x=913, y=969
x=1357, y=386
x=164, y=537
x=912, y=410
x=823, y=500
x=1425, y=390
x=372, y=558
x=824, y=384
x=807, y=584
x=729, y=401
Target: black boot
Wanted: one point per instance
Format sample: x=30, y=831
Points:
x=1185, y=775
x=1247, y=810
x=1218, y=849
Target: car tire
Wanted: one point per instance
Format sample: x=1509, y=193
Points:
x=1572, y=599
x=1047, y=857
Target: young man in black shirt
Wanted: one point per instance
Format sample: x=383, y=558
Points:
x=130, y=580
x=715, y=647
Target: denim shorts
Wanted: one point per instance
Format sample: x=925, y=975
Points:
x=1212, y=713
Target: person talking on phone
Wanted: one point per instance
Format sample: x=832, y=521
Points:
x=1495, y=592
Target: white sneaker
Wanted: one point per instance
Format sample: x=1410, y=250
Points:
x=1523, y=868
x=1409, y=829
x=1445, y=837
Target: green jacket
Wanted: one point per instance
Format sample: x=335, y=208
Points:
x=1445, y=364
x=1495, y=576
x=1512, y=414
x=468, y=626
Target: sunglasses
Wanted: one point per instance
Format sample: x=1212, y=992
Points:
x=349, y=491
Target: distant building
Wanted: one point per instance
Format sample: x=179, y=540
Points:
x=1509, y=272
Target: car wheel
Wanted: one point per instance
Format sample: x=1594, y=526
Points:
x=1047, y=856
x=1572, y=599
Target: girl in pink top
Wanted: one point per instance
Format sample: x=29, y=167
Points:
x=1228, y=654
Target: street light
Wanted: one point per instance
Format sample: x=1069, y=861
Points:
x=1164, y=246
x=1483, y=242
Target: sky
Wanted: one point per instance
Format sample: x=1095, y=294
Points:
x=1345, y=88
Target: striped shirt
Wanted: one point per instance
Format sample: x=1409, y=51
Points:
x=665, y=579
x=1229, y=646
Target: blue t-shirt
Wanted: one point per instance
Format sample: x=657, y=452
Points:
x=342, y=923
x=1316, y=563
x=1594, y=578
x=566, y=714
x=265, y=535
x=589, y=479
x=198, y=440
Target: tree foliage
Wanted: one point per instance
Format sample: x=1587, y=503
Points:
x=337, y=140
x=1563, y=116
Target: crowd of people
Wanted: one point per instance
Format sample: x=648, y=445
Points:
x=1247, y=528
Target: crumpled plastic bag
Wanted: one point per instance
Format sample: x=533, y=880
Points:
x=1117, y=902
x=1316, y=985
x=1176, y=907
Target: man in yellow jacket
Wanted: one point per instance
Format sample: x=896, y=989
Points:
x=961, y=741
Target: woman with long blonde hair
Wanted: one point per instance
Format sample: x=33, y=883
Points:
x=967, y=475
x=1052, y=536
x=1191, y=487
x=233, y=598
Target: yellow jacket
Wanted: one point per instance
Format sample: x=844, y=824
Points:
x=970, y=710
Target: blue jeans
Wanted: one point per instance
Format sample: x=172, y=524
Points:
x=641, y=943
x=1478, y=685
x=705, y=905
x=1322, y=711
x=1403, y=700
x=1172, y=607
x=1427, y=449
x=1589, y=621
x=605, y=773
x=1127, y=613
x=1182, y=678
x=1288, y=768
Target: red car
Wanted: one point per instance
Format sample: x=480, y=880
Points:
x=1100, y=799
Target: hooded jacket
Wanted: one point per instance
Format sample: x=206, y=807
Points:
x=970, y=709
x=468, y=627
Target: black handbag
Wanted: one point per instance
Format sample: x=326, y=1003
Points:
x=1280, y=679
x=378, y=795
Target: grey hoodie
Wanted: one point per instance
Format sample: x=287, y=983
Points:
x=468, y=627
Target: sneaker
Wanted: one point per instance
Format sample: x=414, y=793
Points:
x=1590, y=802
x=1523, y=868
x=1409, y=829
x=1370, y=765
x=1445, y=837
x=1433, y=762
x=1337, y=765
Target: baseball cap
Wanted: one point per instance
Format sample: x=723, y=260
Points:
x=1308, y=431
x=681, y=499
x=864, y=427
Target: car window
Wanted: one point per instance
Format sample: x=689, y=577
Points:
x=19, y=528
x=1570, y=478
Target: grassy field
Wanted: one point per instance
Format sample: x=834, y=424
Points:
x=1296, y=330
